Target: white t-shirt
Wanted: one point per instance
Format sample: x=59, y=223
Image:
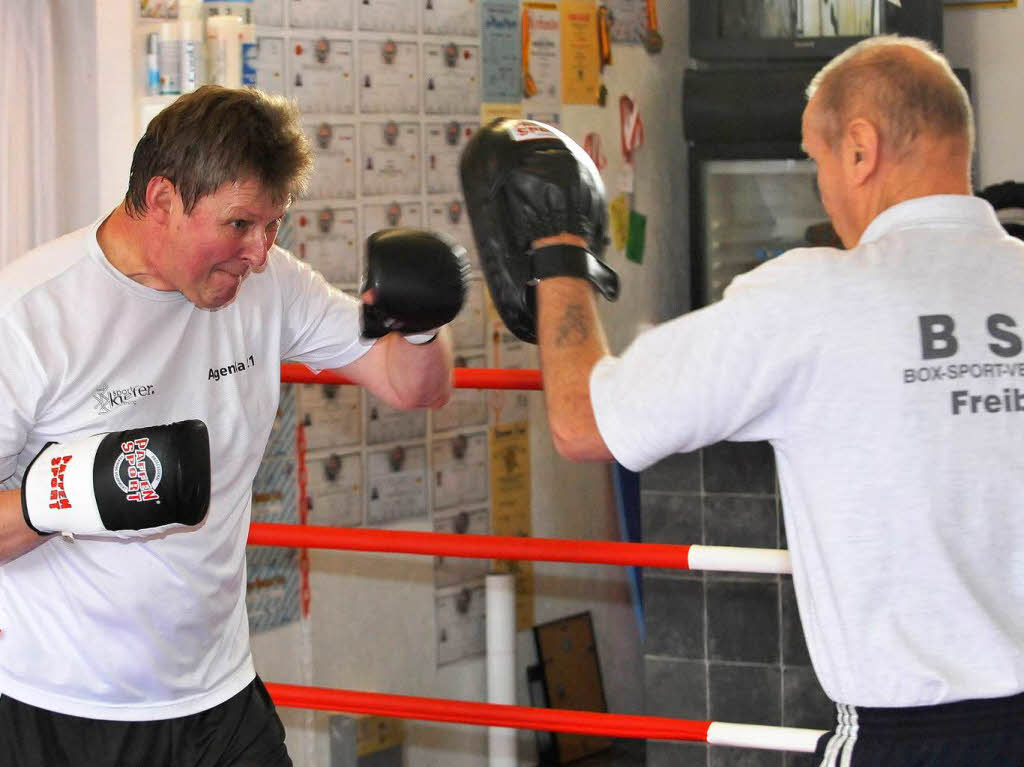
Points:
x=889, y=380
x=153, y=628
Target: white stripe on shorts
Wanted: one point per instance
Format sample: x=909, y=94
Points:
x=839, y=750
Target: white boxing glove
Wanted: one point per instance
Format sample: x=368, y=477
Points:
x=131, y=480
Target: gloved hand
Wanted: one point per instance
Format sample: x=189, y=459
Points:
x=525, y=181
x=132, y=480
x=414, y=282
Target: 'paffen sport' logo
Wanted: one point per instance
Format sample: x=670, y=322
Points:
x=58, y=499
x=136, y=483
x=527, y=130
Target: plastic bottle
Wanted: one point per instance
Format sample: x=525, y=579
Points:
x=230, y=42
x=169, y=58
x=152, y=64
x=193, y=45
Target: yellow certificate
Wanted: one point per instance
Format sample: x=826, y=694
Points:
x=581, y=79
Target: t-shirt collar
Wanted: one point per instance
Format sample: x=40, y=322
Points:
x=939, y=209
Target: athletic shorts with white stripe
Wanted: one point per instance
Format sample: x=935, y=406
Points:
x=969, y=733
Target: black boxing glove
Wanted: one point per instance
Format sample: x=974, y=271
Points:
x=524, y=181
x=117, y=483
x=418, y=280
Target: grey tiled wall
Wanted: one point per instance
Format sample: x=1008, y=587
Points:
x=723, y=646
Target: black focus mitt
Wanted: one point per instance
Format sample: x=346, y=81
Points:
x=524, y=181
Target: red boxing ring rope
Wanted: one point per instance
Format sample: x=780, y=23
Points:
x=492, y=714
x=475, y=546
x=553, y=720
x=465, y=378
x=676, y=556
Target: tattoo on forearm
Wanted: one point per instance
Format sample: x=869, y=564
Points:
x=573, y=328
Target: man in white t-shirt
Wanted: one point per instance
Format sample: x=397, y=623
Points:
x=139, y=386
x=886, y=376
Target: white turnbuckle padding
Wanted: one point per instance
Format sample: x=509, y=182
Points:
x=764, y=736
x=739, y=560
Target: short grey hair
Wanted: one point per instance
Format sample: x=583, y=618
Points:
x=215, y=135
x=903, y=83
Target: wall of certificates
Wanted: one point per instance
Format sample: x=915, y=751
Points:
x=390, y=91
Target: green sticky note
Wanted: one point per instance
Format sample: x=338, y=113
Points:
x=637, y=237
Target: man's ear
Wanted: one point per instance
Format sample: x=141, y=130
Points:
x=161, y=197
x=860, y=150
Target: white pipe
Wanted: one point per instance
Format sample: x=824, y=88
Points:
x=763, y=736
x=739, y=560
x=501, y=663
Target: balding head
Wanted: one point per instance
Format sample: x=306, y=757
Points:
x=886, y=121
x=902, y=85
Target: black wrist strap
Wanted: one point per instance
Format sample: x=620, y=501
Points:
x=574, y=261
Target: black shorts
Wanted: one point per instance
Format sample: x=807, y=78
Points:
x=969, y=733
x=243, y=731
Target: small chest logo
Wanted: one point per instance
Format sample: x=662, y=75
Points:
x=58, y=498
x=132, y=471
x=108, y=399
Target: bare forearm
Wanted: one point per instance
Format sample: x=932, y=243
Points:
x=16, y=537
x=406, y=375
x=571, y=343
x=421, y=374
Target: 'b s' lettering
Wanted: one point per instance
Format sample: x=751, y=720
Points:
x=938, y=338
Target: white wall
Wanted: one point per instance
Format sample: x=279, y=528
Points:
x=74, y=28
x=94, y=106
x=990, y=42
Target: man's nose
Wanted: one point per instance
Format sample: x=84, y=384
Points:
x=257, y=244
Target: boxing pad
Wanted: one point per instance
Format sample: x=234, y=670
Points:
x=524, y=181
x=132, y=480
x=418, y=281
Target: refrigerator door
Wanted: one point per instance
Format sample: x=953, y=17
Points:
x=754, y=210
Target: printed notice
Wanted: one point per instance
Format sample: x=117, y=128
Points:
x=460, y=615
x=321, y=75
x=459, y=470
x=510, y=507
x=396, y=484
x=451, y=17
x=334, y=150
x=581, y=79
x=334, y=489
x=327, y=239
x=502, y=52
x=543, y=65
